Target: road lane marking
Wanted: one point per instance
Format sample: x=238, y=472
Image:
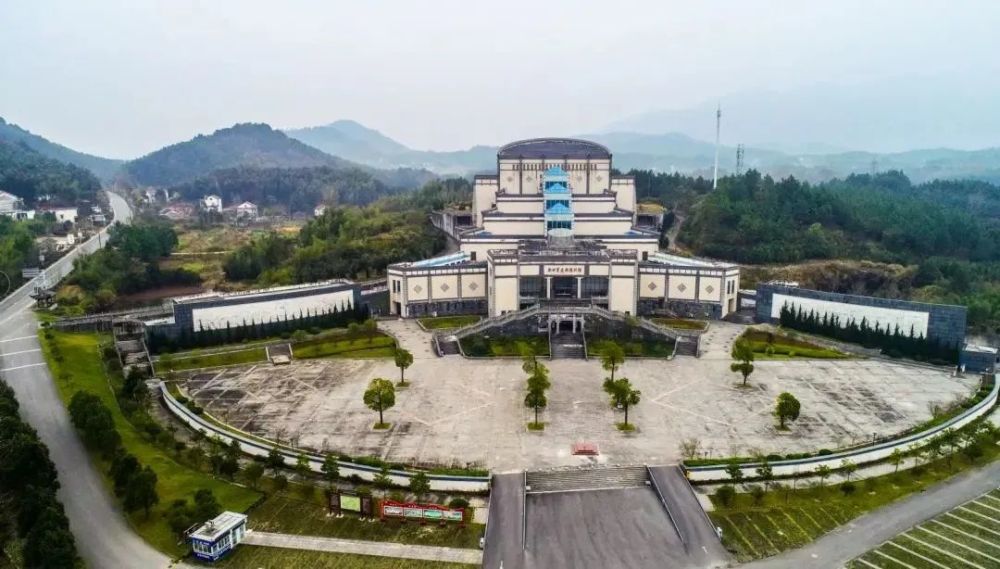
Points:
x=21, y=367
x=16, y=339
x=5, y=354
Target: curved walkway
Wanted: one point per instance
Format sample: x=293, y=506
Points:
x=358, y=547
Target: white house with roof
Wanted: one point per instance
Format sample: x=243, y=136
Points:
x=555, y=225
x=212, y=202
x=9, y=202
x=246, y=210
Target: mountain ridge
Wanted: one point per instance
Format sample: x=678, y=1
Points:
x=669, y=152
x=103, y=168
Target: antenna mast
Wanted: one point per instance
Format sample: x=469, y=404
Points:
x=718, y=125
x=739, y=158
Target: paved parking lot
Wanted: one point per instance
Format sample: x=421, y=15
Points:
x=461, y=411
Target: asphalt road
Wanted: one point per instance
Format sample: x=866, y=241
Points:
x=102, y=535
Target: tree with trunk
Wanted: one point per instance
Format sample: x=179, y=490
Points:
x=766, y=474
x=538, y=384
x=253, y=473
x=275, y=460
x=370, y=329
x=896, y=458
x=612, y=356
x=403, y=359
x=331, y=469
x=743, y=353
x=823, y=471
x=379, y=396
x=140, y=493
x=381, y=480
x=302, y=466
x=848, y=468
x=420, y=485
x=622, y=395
x=735, y=472
x=786, y=408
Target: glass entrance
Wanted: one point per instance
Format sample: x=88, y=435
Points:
x=564, y=287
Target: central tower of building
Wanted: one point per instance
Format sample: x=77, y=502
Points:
x=555, y=225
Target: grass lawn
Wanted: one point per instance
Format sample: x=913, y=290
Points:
x=637, y=348
x=478, y=345
x=253, y=557
x=381, y=346
x=178, y=362
x=968, y=532
x=290, y=513
x=778, y=523
x=442, y=322
x=681, y=323
x=776, y=346
x=82, y=370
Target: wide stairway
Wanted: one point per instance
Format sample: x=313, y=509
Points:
x=448, y=346
x=687, y=346
x=567, y=345
x=586, y=479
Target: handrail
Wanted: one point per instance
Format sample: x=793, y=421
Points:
x=254, y=447
x=663, y=502
x=874, y=453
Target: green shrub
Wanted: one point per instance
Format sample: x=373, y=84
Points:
x=726, y=495
x=458, y=503
x=848, y=488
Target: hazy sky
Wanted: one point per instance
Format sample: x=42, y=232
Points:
x=122, y=78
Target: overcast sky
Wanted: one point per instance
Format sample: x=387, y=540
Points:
x=122, y=78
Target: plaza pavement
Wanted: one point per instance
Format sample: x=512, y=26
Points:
x=459, y=411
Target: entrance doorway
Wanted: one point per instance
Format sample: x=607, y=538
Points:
x=564, y=287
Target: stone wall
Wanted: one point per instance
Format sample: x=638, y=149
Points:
x=945, y=323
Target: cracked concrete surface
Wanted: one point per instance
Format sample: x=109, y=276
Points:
x=459, y=411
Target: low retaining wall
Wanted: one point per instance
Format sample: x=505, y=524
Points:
x=875, y=453
x=253, y=447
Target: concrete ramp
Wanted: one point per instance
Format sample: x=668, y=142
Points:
x=696, y=530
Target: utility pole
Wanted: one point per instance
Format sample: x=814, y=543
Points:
x=718, y=126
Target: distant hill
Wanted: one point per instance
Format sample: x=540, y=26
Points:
x=349, y=140
x=354, y=141
x=29, y=175
x=256, y=145
x=104, y=168
x=666, y=152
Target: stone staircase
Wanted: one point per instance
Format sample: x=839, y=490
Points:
x=567, y=345
x=448, y=346
x=686, y=347
x=586, y=479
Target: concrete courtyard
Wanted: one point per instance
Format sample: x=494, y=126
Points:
x=460, y=411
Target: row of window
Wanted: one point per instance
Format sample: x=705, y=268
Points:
x=568, y=167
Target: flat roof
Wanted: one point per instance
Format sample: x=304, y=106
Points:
x=260, y=291
x=553, y=148
x=668, y=259
x=214, y=529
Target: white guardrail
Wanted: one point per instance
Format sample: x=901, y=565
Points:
x=881, y=451
x=253, y=447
